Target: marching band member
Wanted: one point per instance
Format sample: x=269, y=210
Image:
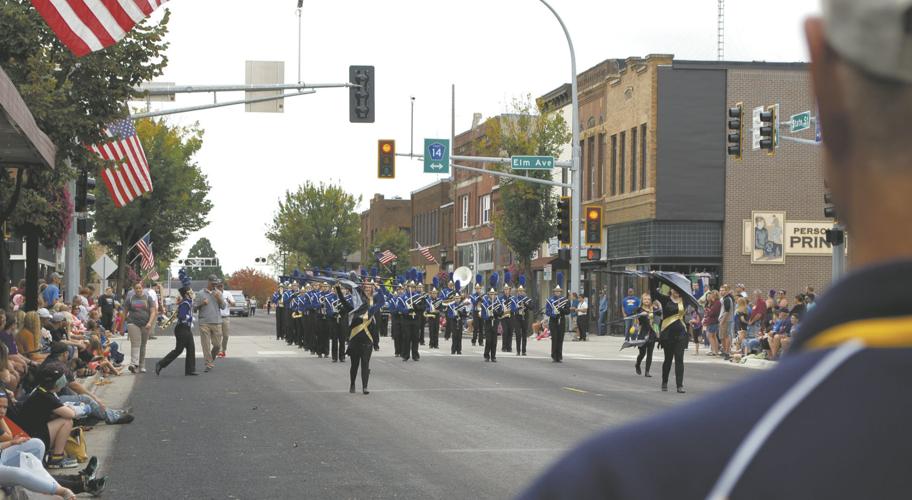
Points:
x=456, y=312
x=432, y=313
x=673, y=336
x=422, y=319
x=410, y=312
x=331, y=312
x=557, y=309
x=361, y=330
x=490, y=311
x=519, y=308
x=277, y=305
x=297, y=318
x=647, y=333
x=322, y=322
x=477, y=333
x=397, y=306
x=506, y=322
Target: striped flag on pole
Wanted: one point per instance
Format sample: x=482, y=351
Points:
x=129, y=178
x=86, y=26
x=386, y=257
x=145, y=250
x=426, y=252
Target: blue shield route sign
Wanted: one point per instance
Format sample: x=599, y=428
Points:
x=437, y=156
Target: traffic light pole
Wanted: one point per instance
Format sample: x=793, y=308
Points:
x=839, y=255
x=575, y=177
x=71, y=252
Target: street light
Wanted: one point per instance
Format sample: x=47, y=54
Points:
x=443, y=258
x=576, y=177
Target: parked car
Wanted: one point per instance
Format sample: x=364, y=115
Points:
x=240, y=307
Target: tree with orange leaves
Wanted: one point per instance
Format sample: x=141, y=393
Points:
x=253, y=283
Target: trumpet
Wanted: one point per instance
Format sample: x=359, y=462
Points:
x=562, y=304
x=169, y=320
x=524, y=303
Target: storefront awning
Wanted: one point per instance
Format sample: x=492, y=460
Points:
x=22, y=143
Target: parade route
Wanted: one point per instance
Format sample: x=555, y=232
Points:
x=272, y=421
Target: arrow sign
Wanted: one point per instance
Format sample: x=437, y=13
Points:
x=436, y=156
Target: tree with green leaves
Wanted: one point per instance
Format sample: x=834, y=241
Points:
x=317, y=222
x=72, y=101
x=203, y=248
x=176, y=206
x=527, y=214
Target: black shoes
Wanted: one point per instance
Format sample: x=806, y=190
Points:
x=89, y=472
x=664, y=387
x=191, y=374
x=493, y=360
x=638, y=370
x=647, y=375
x=351, y=389
x=158, y=368
x=365, y=391
x=681, y=390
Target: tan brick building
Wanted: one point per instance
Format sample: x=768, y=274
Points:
x=381, y=214
x=432, y=213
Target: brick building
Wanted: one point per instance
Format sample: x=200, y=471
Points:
x=653, y=155
x=475, y=200
x=382, y=214
x=432, y=214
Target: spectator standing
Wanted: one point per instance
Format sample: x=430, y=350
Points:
x=711, y=322
x=629, y=306
x=51, y=293
x=226, y=318
x=574, y=302
x=106, y=304
x=154, y=292
x=582, y=319
x=726, y=323
x=208, y=304
x=602, y=323
x=139, y=310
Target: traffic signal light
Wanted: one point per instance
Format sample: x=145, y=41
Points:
x=85, y=196
x=829, y=208
x=594, y=254
x=593, y=225
x=84, y=224
x=386, y=159
x=563, y=220
x=735, y=130
x=769, y=129
x=361, y=97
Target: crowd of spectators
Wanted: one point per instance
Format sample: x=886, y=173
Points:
x=48, y=356
x=735, y=324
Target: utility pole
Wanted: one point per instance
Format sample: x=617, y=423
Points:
x=71, y=276
x=576, y=179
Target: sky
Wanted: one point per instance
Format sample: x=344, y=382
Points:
x=493, y=51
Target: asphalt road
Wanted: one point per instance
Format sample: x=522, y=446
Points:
x=273, y=422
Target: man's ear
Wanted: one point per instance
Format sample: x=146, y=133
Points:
x=828, y=89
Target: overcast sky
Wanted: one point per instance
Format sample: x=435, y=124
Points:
x=493, y=51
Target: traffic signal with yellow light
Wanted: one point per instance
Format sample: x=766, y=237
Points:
x=593, y=225
x=386, y=159
x=563, y=220
x=735, y=130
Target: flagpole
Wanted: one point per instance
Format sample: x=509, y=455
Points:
x=137, y=241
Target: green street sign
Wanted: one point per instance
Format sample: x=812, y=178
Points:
x=801, y=121
x=532, y=162
x=436, y=156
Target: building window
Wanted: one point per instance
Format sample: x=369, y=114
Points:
x=600, y=178
x=465, y=255
x=614, y=157
x=623, y=159
x=465, y=211
x=486, y=252
x=643, y=180
x=590, y=167
x=484, y=208
x=633, y=159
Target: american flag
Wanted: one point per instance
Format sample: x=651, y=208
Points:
x=386, y=257
x=129, y=178
x=145, y=250
x=427, y=253
x=86, y=26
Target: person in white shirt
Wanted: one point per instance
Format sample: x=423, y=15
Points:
x=582, y=318
x=152, y=291
x=226, y=315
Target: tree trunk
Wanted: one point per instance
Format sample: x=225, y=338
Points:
x=31, y=270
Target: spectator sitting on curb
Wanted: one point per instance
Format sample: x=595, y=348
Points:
x=75, y=392
x=44, y=416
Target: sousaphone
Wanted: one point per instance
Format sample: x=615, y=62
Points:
x=464, y=276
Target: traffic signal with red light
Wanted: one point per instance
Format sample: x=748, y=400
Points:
x=594, y=254
x=386, y=159
x=563, y=220
x=593, y=225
